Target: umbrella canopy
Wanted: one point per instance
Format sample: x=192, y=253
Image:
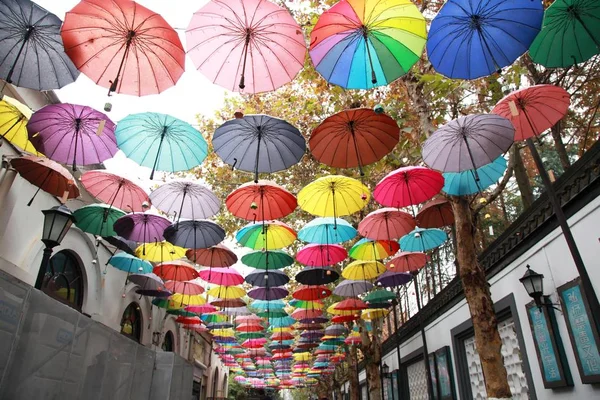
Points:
x=379, y=296
x=473, y=181
x=327, y=231
x=317, y=276
x=268, y=259
x=142, y=55
x=333, y=196
x=150, y=285
x=178, y=270
x=352, y=288
x=214, y=256
x=407, y=262
x=226, y=292
x=351, y=305
x=73, y=134
x=183, y=300
x=393, y=279
x=336, y=330
x=386, y=224
x=304, y=292
x=423, y=239
x=13, y=124
x=569, y=34
x=130, y=264
x=185, y=288
x=31, y=51
x=371, y=250
x=408, y=186
x=436, y=214
x=306, y=314
x=115, y=191
x=266, y=235
x=354, y=138
x=203, y=309
x=160, y=142
x=321, y=255
x=259, y=143
x=128, y=246
x=194, y=234
x=268, y=293
x=186, y=200
x=260, y=201
x=363, y=270
x=250, y=46
x=316, y=304
x=230, y=304
x=468, y=40
x=360, y=45
x=97, y=219
x=267, y=278
x=141, y=227
x=373, y=313
x=221, y=276
x=159, y=252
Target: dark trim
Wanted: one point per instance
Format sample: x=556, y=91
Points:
x=408, y=360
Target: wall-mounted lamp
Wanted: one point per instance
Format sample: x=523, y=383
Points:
x=534, y=285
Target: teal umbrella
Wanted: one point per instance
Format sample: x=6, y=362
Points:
x=327, y=230
x=268, y=304
x=97, y=219
x=281, y=322
x=464, y=183
x=258, y=259
x=130, y=264
x=423, y=239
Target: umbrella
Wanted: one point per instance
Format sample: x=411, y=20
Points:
x=351, y=305
x=468, y=40
x=316, y=304
x=261, y=201
x=130, y=264
x=408, y=186
x=569, y=34
x=194, y=234
x=32, y=53
x=436, y=214
x=407, y=262
x=115, y=191
x=186, y=200
x=393, y=279
x=423, y=239
x=184, y=287
x=352, y=288
x=175, y=271
x=380, y=296
x=317, y=276
x=214, y=256
x=13, y=124
x=249, y=328
x=465, y=183
x=229, y=304
x=47, y=175
x=371, y=250
x=386, y=224
x=363, y=270
x=321, y=255
x=221, y=276
x=70, y=133
x=159, y=252
x=302, y=313
x=268, y=259
x=259, y=143
x=327, y=231
x=97, y=219
x=354, y=138
x=304, y=292
x=187, y=300
x=333, y=196
x=336, y=330
x=123, y=46
x=226, y=292
x=247, y=46
x=267, y=278
x=141, y=227
x=160, y=142
x=360, y=45
x=373, y=313
x=150, y=285
x=203, y=309
x=266, y=235
x=123, y=244
x=268, y=293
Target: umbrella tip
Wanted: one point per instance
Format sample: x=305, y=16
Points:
x=238, y=113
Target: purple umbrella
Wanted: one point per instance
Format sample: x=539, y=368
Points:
x=336, y=330
x=70, y=133
x=266, y=293
x=315, y=320
x=351, y=288
x=393, y=279
x=150, y=285
x=141, y=227
x=186, y=200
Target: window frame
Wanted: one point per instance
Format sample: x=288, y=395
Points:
x=73, y=260
x=139, y=322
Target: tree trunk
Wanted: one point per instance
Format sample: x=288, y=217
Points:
x=559, y=146
x=477, y=294
x=338, y=393
x=353, y=375
x=522, y=179
x=372, y=351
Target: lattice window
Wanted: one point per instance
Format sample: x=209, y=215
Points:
x=417, y=381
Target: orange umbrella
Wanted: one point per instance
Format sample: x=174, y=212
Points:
x=177, y=270
x=261, y=201
x=407, y=262
x=436, y=214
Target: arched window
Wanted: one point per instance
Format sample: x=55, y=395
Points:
x=131, y=323
x=168, y=342
x=64, y=280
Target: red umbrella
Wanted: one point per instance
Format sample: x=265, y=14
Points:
x=186, y=288
x=340, y=319
x=261, y=201
x=354, y=138
x=408, y=186
x=177, y=270
x=215, y=256
x=203, y=309
x=407, y=262
x=249, y=328
x=222, y=276
x=189, y=321
x=386, y=224
x=436, y=214
x=321, y=255
x=351, y=305
x=123, y=46
x=303, y=313
x=254, y=343
x=279, y=336
x=313, y=292
x=115, y=191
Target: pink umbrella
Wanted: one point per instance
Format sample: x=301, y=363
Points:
x=222, y=276
x=186, y=287
x=203, y=309
x=386, y=224
x=247, y=318
x=408, y=186
x=115, y=191
x=407, y=262
x=246, y=45
x=303, y=313
x=321, y=255
x=254, y=344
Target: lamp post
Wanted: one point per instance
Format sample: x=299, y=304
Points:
x=534, y=285
x=57, y=222
x=385, y=373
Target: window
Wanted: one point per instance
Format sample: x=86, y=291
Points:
x=168, y=342
x=131, y=323
x=64, y=280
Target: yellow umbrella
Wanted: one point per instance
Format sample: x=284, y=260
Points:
x=374, y=313
x=280, y=329
x=360, y=269
x=302, y=356
x=223, y=332
x=265, y=235
x=226, y=292
x=160, y=252
x=13, y=124
x=187, y=300
x=333, y=196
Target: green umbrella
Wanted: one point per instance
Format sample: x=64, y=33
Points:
x=379, y=296
x=97, y=219
x=251, y=335
x=570, y=34
x=272, y=314
x=334, y=342
x=181, y=312
x=258, y=259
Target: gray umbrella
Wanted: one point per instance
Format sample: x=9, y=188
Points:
x=351, y=288
x=262, y=278
x=31, y=48
x=468, y=143
x=336, y=330
x=259, y=143
x=186, y=200
x=194, y=234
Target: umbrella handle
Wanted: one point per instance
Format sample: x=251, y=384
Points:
x=113, y=84
x=242, y=84
x=39, y=187
x=12, y=68
x=162, y=138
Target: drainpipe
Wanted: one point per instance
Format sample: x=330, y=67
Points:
x=5, y=184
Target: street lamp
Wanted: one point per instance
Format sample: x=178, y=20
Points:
x=57, y=222
x=385, y=374
x=385, y=369
x=534, y=285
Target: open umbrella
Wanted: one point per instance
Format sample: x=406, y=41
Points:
x=214, y=256
x=386, y=224
x=363, y=270
x=304, y=292
x=161, y=142
x=150, y=285
x=362, y=45
x=13, y=124
x=321, y=255
x=221, y=276
x=175, y=271
x=115, y=191
x=267, y=278
x=260, y=201
x=407, y=262
x=379, y=297
x=193, y=234
x=408, y=186
x=184, y=287
x=393, y=279
x=130, y=264
x=371, y=250
x=123, y=46
x=268, y=259
x=266, y=235
x=250, y=46
x=423, y=239
x=569, y=34
x=159, y=252
x=352, y=288
x=184, y=300
x=72, y=134
x=354, y=138
x=226, y=292
x=268, y=293
x=141, y=227
x=351, y=305
x=31, y=49
x=259, y=143
x=317, y=276
x=186, y=200
x=327, y=231
x=468, y=40
x=128, y=246
x=436, y=214
x=465, y=183
x=97, y=219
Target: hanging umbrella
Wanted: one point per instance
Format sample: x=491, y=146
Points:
x=247, y=46
x=327, y=231
x=317, y=276
x=321, y=255
x=351, y=305
x=352, y=288
x=115, y=191
x=31, y=51
x=334, y=311
x=407, y=262
x=229, y=304
x=465, y=183
x=249, y=328
x=266, y=235
x=336, y=330
x=373, y=313
x=186, y=200
x=268, y=293
x=214, y=256
x=354, y=138
x=261, y=201
x=469, y=40
x=130, y=264
x=150, y=285
x=423, y=239
x=192, y=234
x=267, y=278
x=178, y=270
x=259, y=143
x=221, y=276
x=47, y=175
x=123, y=46
x=226, y=292
x=184, y=300
x=361, y=46
x=436, y=214
x=73, y=134
x=268, y=259
x=393, y=279
x=160, y=142
x=363, y=270
x=128, y=246
x=371, y=250
x=408, y=186
x=569, y=34
x=186, y=288
x=379, y=296
x=13, y=124
x=386, y=224
x=203, y=309
x=141, y=227
x=265, y=305
x=316, y=304
x=306, y=314
x=304, y=292
x=159, y=252
x=97, y=219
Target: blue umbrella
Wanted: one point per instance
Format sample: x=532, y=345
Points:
x=321, y=231
x=268, y=304
x=470, y=39
x=281, y=322
x=194, y=234
x=423, y=239
x=161, y=142
x=130, y=264
x=464, y=183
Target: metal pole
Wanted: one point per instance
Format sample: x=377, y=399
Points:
x=43, y=267
x=394, y=303
x=424, y=340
